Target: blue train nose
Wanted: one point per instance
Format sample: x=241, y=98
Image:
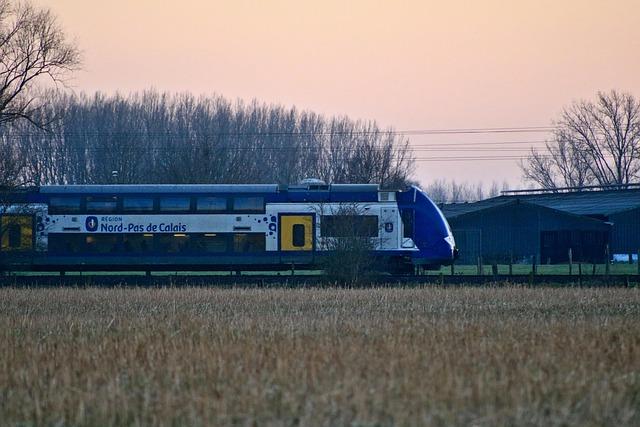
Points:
x=446, y=248
x=432, y=233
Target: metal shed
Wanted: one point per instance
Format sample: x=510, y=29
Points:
x=509, y=229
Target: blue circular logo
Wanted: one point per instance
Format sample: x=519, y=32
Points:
x=91, y=224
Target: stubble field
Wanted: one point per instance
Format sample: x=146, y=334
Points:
x=384, y=356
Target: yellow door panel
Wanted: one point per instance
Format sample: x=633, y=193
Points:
x=296, y=232
x=17, y=233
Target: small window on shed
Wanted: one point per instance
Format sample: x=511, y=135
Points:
x=137, y=204
x=248, y=204
x=101, y=204
x=175, y=204
x=211, y=204
x=64, y=205
x=298, y=235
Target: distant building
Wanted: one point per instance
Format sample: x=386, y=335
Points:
x=522, y=224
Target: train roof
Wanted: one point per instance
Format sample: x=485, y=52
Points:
x=159, y=188
x=204, y=188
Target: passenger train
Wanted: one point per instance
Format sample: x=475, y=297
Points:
x=217, y=227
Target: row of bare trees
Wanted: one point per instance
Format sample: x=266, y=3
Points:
x=594, y=143
x=444, y=191
x=162, y=138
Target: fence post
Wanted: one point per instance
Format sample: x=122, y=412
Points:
x=638, y=262
x=570, y=262
x=607, y=264
x=478, y=266
x=511, y=264
x=452, y=268
x=533, y=264
x=580, y=273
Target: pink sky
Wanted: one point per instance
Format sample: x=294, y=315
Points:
x=406, y=64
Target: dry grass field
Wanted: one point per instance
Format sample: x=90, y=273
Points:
x=421, y=356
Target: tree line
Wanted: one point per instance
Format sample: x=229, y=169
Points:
x=154, y=137
x=445, y=191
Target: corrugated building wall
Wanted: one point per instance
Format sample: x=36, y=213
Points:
x=519, y=231
x=625, y=235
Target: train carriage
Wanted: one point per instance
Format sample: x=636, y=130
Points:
x=217, y=227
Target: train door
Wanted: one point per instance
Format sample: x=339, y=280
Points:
x=16, y=233
x=296, y=232
x=389, y=231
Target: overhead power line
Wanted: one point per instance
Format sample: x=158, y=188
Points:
x=192, y=133
x=472, y=151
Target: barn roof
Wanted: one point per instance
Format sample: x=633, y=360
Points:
x=527, y=205
x=589, y=203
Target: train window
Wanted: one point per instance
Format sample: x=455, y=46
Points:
x=253, y=242
x=175, y=204
x=298, y=235
x=102, y=243
x=211, y=204
x=407, y=221
x=349, y=226
x=137, y=204
x=66, y=243
x=138, y=243
x=102, y=204
x=171, y=243
x=248, y=204
x=209, y=242
x=64, y=205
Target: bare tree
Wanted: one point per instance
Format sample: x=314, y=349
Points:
x=33, y=50
x=594, y=142
x=479, y=191
x=443, y=191
x=438, y=191
x=494, y=191
x=461, y=192
x=347, y=243
x=11, y=164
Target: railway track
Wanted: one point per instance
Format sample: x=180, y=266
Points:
x=272, y=280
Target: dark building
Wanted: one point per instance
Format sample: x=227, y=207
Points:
x=520, y=225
